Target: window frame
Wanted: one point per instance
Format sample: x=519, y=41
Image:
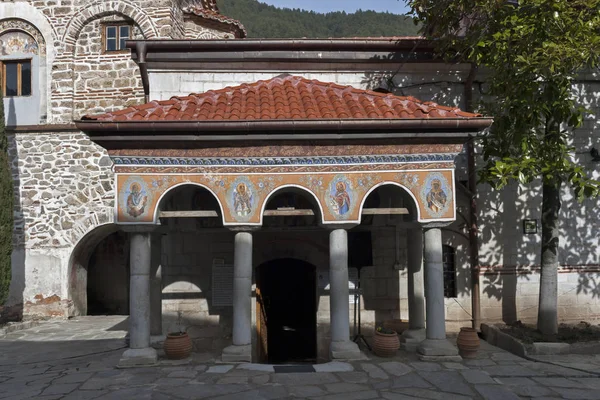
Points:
x=117, y=26
x=450, y=284
x=19, y=62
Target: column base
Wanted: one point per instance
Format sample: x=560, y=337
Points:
x=410, y=339
x=138, y=358
x=437, y=350
x=237, y=353
x=345, y=351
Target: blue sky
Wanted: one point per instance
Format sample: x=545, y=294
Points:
x=395, y=6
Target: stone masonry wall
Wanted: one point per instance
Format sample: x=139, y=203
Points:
x=104, y=81
x=71, y=31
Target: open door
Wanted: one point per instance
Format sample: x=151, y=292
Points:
x=261, y=327
x=286, y=317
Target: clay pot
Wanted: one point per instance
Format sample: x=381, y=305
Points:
x=386, y=344
x=467, y=342
x=177, y=346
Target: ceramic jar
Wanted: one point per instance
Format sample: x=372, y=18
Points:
x=386, y=344
x=467, y=342
x=177, y=346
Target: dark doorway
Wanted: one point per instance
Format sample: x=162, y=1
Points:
x=108, y=277
x=286, y=293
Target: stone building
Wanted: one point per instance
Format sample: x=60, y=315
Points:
x=280, y=153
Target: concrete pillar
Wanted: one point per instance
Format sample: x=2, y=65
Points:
x=140, y=352
x=156, y=286
x=341, y=346
x=435, y=346
x=242, y=301
x=416, y=295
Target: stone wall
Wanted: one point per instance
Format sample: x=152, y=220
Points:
x=104, y=81
x=75, y=76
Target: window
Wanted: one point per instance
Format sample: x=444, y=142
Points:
x=449, y=271
x=16, y=78
x=115, y=37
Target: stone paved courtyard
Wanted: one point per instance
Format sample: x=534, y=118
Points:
x=76, y=360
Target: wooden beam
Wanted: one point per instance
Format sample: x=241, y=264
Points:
x=277, y=213
x=385, y=211
x=285, y=213
x=187, y=214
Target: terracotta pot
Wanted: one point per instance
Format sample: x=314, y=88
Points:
x=386, y=344
x=397, y=325
x=177, y=346
x=467, y=342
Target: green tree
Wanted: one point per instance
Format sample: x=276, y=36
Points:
x=6, y=210
x=532, y=52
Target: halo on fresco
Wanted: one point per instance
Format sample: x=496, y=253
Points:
x=436, y=195
x=135, y=198
x=241, y=199
x=340, y=198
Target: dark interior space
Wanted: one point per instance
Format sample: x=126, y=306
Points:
x=287, y=311
x=108, y=277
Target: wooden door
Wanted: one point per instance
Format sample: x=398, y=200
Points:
x=261, y=327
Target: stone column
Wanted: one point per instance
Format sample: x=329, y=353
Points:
x=242, y=301
x=139, y=352
x=416, y=296
x=341, y=346
x=435, y=346
x=156, y=286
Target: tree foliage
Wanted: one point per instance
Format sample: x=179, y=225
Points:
x=266, y=21
x=6, y=211
x=532, y=52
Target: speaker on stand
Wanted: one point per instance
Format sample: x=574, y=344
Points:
x=360, y=255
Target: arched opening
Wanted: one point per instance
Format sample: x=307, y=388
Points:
x=108, y=276
x=99, y=273
x=286, y=308
x=292, y=207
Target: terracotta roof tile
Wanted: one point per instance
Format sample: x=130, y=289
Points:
x=285, y=97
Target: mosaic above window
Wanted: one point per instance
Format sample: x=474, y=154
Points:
x=28, y=37
x=17, y=42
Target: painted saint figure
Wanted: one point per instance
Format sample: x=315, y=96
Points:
x=341, y=199
x=436, y=198
x=242, y=200
x=136, y=201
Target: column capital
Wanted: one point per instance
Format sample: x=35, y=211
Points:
x=244, y=228
x=340, y=225
x=436, y=225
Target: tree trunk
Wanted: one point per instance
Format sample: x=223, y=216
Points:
x=548, y=304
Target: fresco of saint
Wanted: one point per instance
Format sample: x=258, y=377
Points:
x=136, y=201
x=242, y=200
x=341, y=199
x=436, y=198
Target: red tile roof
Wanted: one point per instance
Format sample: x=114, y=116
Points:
x=210, y=11
x=285, y=98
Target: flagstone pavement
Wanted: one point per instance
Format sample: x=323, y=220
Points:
x=76, y=359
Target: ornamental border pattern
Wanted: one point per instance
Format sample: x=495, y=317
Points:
x=16, y=24
x=279, y=161
x=281, y=169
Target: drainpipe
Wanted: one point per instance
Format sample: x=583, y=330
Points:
x=141, y=50
x=472, y=183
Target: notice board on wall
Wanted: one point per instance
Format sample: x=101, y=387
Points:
x=222, y=284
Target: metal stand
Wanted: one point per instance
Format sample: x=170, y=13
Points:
x=358, y=337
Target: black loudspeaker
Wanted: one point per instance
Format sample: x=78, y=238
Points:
x=360, y=249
